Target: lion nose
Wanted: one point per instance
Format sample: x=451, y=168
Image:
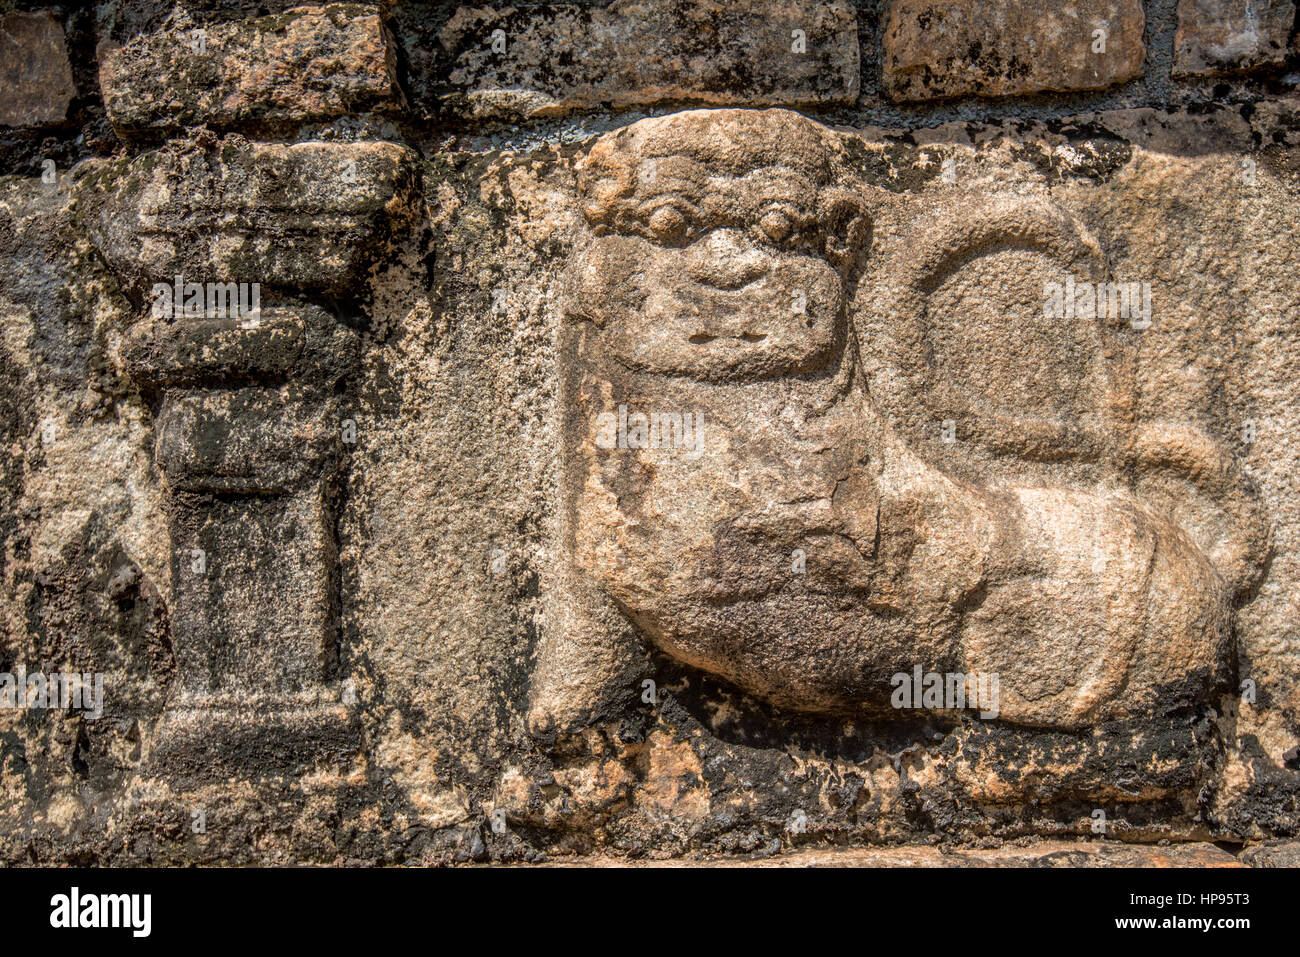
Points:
x=725, y=259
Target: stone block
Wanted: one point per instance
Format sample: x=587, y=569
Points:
x=36, y=78
x=306, y=64
x=934, y=49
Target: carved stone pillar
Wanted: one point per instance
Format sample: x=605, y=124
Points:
x=248, y=439
x=249, y=429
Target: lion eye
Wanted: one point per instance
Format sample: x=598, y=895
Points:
x=667, y=224
x=776, y=225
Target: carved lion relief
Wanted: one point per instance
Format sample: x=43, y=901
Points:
x=754, y=479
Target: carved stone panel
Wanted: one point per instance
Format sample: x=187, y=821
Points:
x=758, y=505
x=640, y=429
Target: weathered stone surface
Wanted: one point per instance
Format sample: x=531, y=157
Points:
x=254, y=440
x=249, y=436
x=1223, y=36
x=282, y=341
x=1043, y=854
x=36, y=79
x=306, y=216
x=1273, y=854
x=256, y=618
x=371, y=577
x=255, y=735
x=714, y=292
x=943, y=48
x=308, y=63
x=552, y=60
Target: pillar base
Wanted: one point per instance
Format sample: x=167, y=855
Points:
x=205, y=738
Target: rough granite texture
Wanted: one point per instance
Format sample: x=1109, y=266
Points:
x=942, y=48
x=552, y=60
x=573, y=449
x=36, y=80
x=1226, y=36
x=306, y=63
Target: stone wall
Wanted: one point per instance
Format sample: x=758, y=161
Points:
x=529, y=430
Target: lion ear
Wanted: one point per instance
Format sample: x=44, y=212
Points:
x=848, y=228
